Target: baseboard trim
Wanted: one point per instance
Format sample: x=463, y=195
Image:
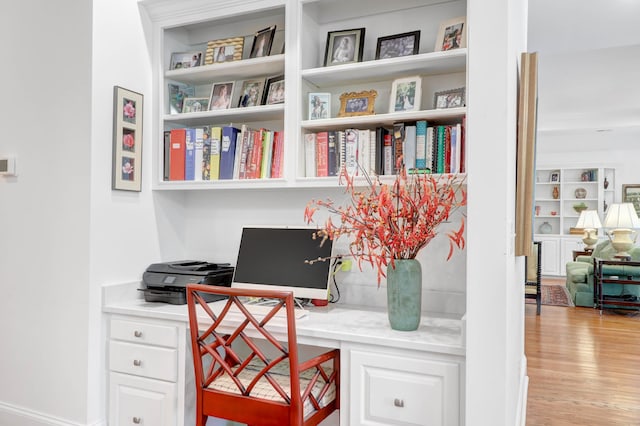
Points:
x=521, y=411
x=20, y=416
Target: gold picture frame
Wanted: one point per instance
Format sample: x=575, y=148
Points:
x=357, y=103
x=224, y=50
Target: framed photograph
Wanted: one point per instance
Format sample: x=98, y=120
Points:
x=453, y=98
x=452, y=34
x=177, y=94
x=185, y=60
x=221, y=94
x=195, y=104
x=406, y=94
x=274, y=91
x=319, y=106
x=631, y=194
x=397, y=45
x=224, y=50
x=344, y=47
x=251, y=93
x=127, y=140
x=360, y=103
x=554, y=176
x=262, y=42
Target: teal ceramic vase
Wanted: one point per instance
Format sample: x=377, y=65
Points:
x=404, y=294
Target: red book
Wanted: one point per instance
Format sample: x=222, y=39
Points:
x=462, y=142
x=177, y=154
x=277, y=156
x=255, y=160
x=322, y=154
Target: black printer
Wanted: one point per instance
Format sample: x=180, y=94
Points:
x=167, y=282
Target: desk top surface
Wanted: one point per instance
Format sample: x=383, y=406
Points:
x=331, y=326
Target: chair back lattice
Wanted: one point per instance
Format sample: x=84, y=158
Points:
x=254, y=357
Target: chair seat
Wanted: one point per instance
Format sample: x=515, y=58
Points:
x=531, y=290
x=280, y=373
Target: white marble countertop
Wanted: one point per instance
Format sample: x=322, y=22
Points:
x=330, y=326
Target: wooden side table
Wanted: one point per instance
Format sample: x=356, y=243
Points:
x=621, y=279
x=577, y=253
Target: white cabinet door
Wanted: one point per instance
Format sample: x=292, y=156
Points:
x=140, y=401
x=569, y=245
x=550, y=255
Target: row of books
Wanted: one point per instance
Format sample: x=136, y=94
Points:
x=222, y=152
x=422, y=149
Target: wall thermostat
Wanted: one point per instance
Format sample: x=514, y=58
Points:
x=8, y=166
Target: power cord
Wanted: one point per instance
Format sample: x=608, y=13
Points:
x=334, y=297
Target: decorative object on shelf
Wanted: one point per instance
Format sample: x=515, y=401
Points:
x=545, y=228
x=224, y=50
x=605, y=206
x=185, y=60
x=262, y=42
x=555, y=193
x=451, y=34
x=221, y=94
x=360, y=103
x=589, y=176
x=579, y=207
x=553, y=213
x=537, y=210
x=589, y=222
x=195, y=105
x=580, y=193
x=404, y=294
x=274, y=90
x=344, y=47
x=387, y=222
x=621, y=220
x=319, y=106
x=177, y=94
x=453, y=98
x=397, y=45
x=251, y=93
x=406, y=94
x=554, y=176
x=631, y=194
x=127, y=140
x=605, y=183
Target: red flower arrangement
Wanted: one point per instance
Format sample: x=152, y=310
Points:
x=393, y=221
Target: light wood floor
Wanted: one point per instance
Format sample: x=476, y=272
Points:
x=584, y=369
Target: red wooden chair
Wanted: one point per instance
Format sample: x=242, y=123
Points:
x=237, y=375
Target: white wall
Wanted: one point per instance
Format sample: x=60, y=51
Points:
x=44, y=214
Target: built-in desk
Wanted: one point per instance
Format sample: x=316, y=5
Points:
x=387, y=377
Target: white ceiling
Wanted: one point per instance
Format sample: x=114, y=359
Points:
x=589, y=63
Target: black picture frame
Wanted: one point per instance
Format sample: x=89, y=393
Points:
x=262, y=42
x=397, y=45
x=274, y=90
x=344, y=46
x=454, y=98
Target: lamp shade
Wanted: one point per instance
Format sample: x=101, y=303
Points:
x=589, y=220
x=621, y=216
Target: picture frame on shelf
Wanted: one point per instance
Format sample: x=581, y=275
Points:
x=406, y=94
x=319, y=106
x=262, y=42
x=397, y=45
x=452, y=34
x=357, y=103
x=344, y=46
x=554, y=176
x=178, y=92
x=251, y=93
x=127, y=140
x=453, y=98
x=631, y=194
x=274, y=90
x=196, y=104
x=221, y=94
x=224, y=50
x=181, y=60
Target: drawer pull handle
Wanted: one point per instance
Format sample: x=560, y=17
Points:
x=137, y=363
x=137, y=333
x=137, y=420
x=398, y=403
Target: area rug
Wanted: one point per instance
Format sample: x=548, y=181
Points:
x=554, y=295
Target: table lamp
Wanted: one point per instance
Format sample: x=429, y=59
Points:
x=620, y=220
x=590, y=223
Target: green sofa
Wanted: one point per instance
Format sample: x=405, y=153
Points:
x=580, y=275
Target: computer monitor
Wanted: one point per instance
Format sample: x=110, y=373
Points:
x=274, y=258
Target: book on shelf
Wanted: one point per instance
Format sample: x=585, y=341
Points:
x=333, y=165
x=387, y=152
x=216, y=145
x=206, y=153
x=440, y=149
x=278, y=154
x=398, y=142
x=228, y=151
x=190, y=154
x=177, y=154
x=254, y=155
x=310, y=154
x=351, y=151
x=421, y=145
x=198, y=153
x=166, y=172
x=322, y=154
x=409, y=147
x=363, y=151
x=267, y=153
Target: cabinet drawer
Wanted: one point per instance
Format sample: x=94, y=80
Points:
x=142, y=332
x=396, y=390
x=142, y=360
x=139, y=401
